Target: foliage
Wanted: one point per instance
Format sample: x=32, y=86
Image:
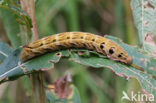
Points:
x=17, y=68
x=5, y=50
x=144, y=16
x=55, y=16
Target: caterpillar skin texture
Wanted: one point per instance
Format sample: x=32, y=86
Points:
x=76, y=40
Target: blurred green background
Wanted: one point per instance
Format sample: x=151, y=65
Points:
x=111, y=17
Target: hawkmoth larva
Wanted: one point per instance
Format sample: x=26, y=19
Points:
x=76, y=40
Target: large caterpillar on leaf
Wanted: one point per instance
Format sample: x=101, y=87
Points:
x=67, y=40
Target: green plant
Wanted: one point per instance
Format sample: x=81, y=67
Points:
x=18, y=24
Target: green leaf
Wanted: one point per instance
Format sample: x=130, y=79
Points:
x=144, y=15
x=72, y=12
x=21, y=16
x=11, y=26
x=12, y=67
x=146, y=81
x=5, y=50
x=3, y=2
x=140, y=57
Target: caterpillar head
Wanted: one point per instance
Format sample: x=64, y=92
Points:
x=116, y=52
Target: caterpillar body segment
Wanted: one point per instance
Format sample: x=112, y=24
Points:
x=68, y=40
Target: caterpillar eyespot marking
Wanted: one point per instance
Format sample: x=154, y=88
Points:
x=101, y=46
x=68, y=40
x=111, y=51
x=120, y=55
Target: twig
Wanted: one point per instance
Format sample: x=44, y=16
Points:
x=33, y=18
x=36, y=78
x=38, y=87
x=29, y=8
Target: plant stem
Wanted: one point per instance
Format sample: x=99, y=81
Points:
x=38, y=87
x=33, y=18
x=36, y=78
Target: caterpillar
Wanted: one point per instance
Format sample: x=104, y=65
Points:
x=68, y=40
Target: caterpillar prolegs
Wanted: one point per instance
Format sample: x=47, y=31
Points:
x=76, y=40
